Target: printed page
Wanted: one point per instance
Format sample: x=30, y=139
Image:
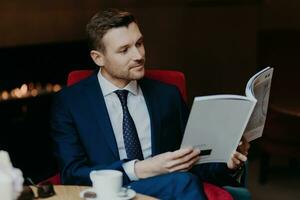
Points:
x=258, y=87
x=216, y=125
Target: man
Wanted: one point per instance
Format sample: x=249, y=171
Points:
x=117, y=119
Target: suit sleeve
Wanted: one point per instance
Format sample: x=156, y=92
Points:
x=75, y=166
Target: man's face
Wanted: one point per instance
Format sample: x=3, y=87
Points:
x=124, y=55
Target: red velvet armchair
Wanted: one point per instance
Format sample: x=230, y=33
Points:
x=168, y=76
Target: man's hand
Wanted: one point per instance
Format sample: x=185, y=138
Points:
x=240, y=156
x=180, y=160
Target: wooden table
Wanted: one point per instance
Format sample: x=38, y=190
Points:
x=67, y=192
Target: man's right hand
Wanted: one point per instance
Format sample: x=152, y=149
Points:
x=180, y=160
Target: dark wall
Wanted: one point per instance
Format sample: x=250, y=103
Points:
x=25, y=135
x=35, y=21
x=279, y=45
x=48, y=62
x=25, y=130
x=209, y=42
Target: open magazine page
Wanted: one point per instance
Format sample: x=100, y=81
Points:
x=258, y=87
x=216, y=125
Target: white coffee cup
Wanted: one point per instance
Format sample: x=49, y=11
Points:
x=106, y=183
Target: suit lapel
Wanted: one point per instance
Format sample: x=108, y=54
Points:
x=98, y=108
x=153, y=109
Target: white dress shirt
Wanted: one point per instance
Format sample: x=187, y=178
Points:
x=140, y=117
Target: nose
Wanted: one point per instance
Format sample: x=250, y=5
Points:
x=137, y=54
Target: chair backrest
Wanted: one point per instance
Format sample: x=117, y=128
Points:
x=167, y=76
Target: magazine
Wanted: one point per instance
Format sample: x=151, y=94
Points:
x=217, y=122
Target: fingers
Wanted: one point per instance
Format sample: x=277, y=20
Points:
x=240, y=156
x=182, y=159
x=186, y=165
x=185, y=159
x=180, y=153
x=244, y=146
x=237, y=160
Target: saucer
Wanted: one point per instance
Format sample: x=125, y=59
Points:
x=130, y=194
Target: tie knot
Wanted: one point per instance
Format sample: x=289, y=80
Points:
x=122, y=94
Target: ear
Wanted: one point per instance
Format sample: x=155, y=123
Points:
x=97, y=57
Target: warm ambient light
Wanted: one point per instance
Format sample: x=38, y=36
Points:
x=29, y=90
x=56, y=88
x=4, y=95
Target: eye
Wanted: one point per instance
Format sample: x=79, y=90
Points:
x=139, y=43
x=123, y=51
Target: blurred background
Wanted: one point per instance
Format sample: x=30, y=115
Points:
x=218, y=44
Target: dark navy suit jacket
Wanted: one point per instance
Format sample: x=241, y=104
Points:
x=84, y=138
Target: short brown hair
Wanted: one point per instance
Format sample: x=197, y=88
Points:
x=101, y=22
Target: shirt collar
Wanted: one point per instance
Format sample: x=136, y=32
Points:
x=107, y=87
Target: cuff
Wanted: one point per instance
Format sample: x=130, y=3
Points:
x=129, y=170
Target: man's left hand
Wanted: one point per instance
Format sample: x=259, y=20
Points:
x=239, y=156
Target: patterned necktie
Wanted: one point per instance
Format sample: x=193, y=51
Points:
x=131, y=139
